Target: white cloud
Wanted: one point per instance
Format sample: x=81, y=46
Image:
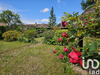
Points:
x=4, y=6
x=45, y=20
x=30, y=21
x=0, y=8
x=58, y=1
x=45, y=10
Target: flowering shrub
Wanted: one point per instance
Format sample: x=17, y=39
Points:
x=11, y=35
x=78, y=29
x=58, y=35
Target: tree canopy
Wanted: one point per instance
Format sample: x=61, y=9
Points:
x=87, y=3
x=10, y=18
x=52, y=18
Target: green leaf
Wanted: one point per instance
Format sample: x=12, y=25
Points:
x=93, y=47
x=71, y=39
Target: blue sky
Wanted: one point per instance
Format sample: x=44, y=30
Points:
x=32, y=11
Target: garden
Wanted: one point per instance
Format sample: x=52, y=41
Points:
x=54, y=51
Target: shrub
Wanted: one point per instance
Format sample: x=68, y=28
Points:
x=30, y=35
x=48, y=37
x=51, y=37
x=58, y=35
x=11, y=35
x=22, y=39
x=2, y=30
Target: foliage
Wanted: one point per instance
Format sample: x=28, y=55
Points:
x=48, y=37
x=22, y=39
x=58, y=35
x=30, y=35
x=52, y=19
x=87, y=3
x=91, y=49
x=10, y=17
x=11, y=35
x=3, y=29
x=31, y=27
x=79, y=28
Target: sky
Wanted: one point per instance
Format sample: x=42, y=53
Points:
x=38, y=11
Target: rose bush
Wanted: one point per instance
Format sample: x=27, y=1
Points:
x=78, y=30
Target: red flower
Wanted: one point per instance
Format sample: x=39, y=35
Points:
x=86, y=23
x=95, y=33
x=74, y=49
x=60, y=39
x=64, y=23
x=84, y=20
x=84, y=28
x=67, y=35
x=54, y=51
x=74, y=57
x=92, y=21
x=64, y=34
x=89, y=17
x=79, y=53
x=61, y=56
x=65, y=49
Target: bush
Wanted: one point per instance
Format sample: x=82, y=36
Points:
x=30, y=35
x=22, y=39
x=2, y=30
x=11, y=35
x=58, y=35
x=48, y=37
x=51, y=37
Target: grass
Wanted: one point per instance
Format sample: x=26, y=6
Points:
x=35, y=59
x=4, y=46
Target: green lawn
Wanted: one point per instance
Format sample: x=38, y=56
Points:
x=5, y=46
x=36, y=59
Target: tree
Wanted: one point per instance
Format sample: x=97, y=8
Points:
x=87, y=3
x=10, y=18
x=52, y=18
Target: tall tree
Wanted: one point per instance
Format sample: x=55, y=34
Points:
x=87, y=3
x=52, y=18
x=10, y=18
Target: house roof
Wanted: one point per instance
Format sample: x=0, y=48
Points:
x=38, y=25
x=3, y=24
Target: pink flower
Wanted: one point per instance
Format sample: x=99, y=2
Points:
x=67, y=35
x=74, y=49
x=86, y=23
x=89, y=17
x=54, y=51
x=84, y=28
x=61, y=56
x=64, y=34
x=60, y=39
x=79, y=53
x=92, y=21
x=74, y=57
x=84, y=20
x=95, y=33
x=64, y=23
x=65, y=49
